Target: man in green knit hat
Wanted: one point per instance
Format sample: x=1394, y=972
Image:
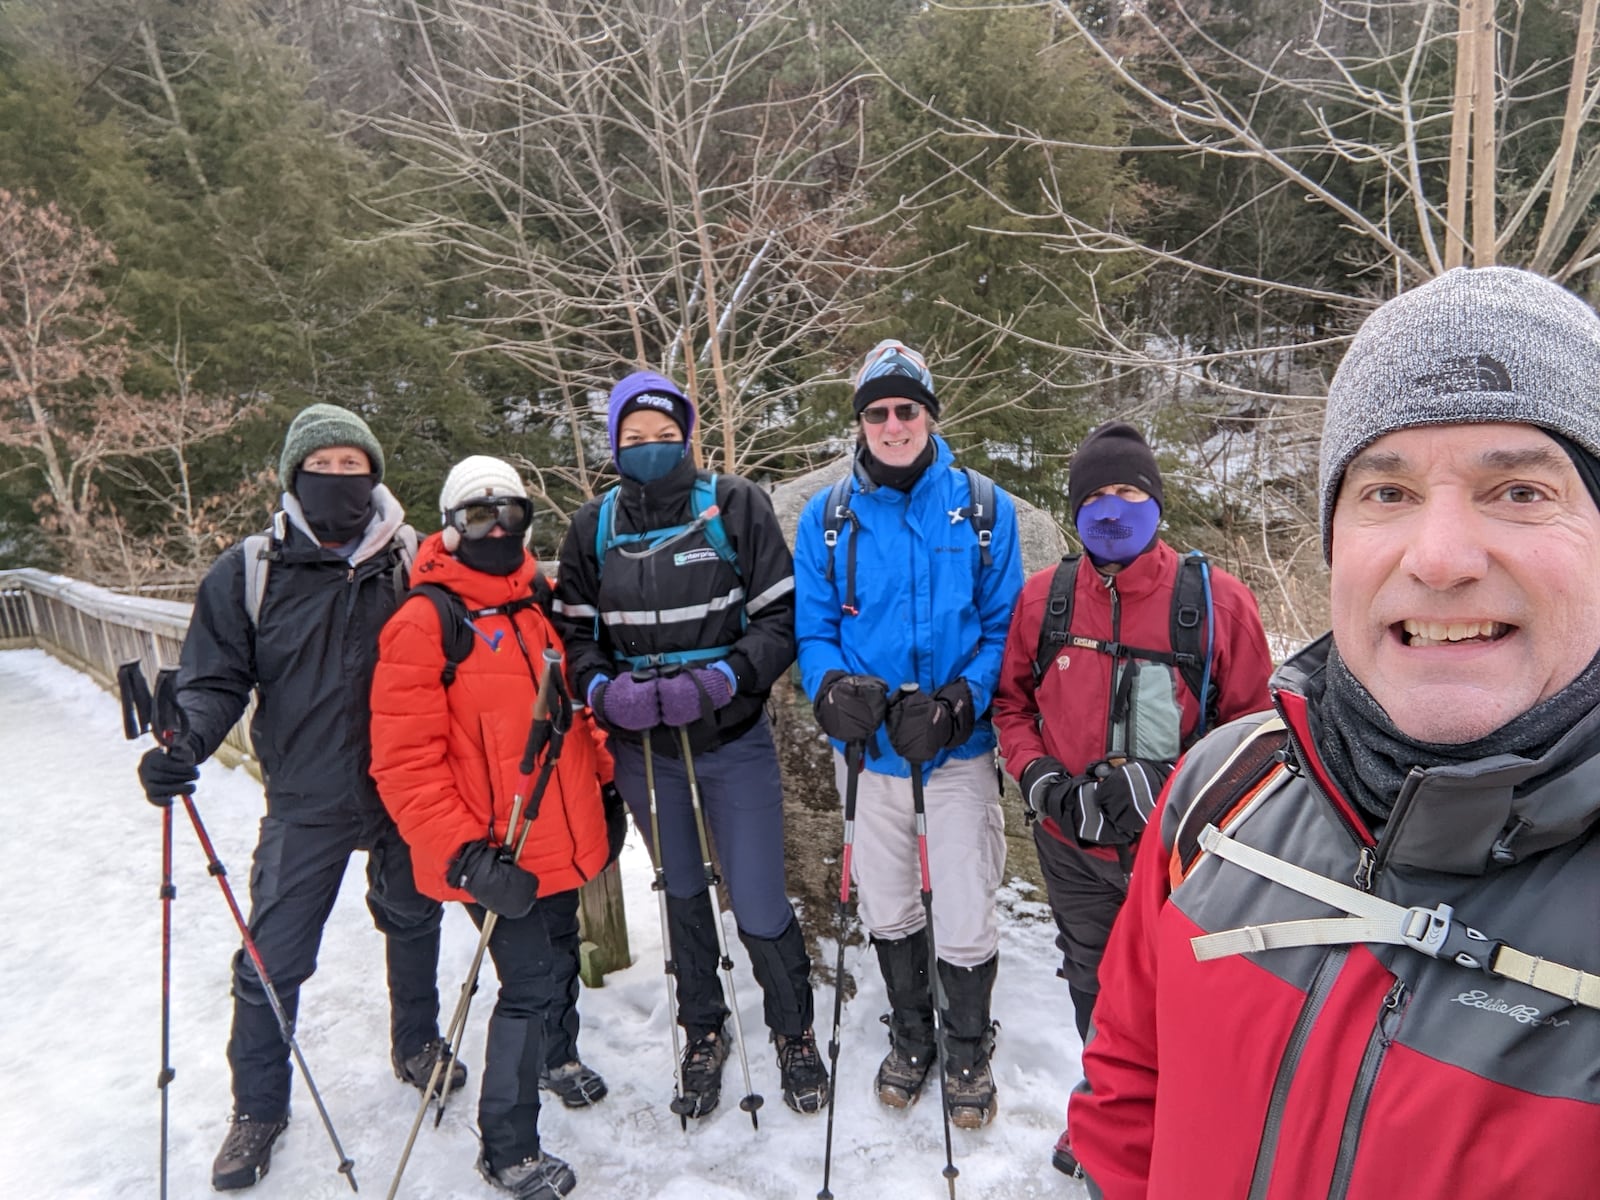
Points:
x=294, y=614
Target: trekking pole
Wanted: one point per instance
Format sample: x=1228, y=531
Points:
x=659, y=886
x=853, y=752
x=171, y=723
x=935, y=985
x=135, y=695
x=752, y=1101
x=542, y=731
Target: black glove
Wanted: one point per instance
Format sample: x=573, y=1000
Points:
x=493, y=881
x=957, y=697
x=1048, y=791
x=851, y=707
x=167, y=773
x=1127, y=795
x=616, y=821
x=919, y=725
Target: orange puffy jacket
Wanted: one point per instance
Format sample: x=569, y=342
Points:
x=446, y=759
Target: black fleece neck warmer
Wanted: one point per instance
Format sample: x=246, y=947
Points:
x=337, y=507
x=901, y=479
x=492, y=555
x=1369, y=758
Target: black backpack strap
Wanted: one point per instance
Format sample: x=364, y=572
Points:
x=835, y=512
x=981, y=511
x=1257, y=759
x=1187, y=633
x=455, y=635
x=1057, y=615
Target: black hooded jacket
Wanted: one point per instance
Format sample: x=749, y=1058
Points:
x=684, y=596
x=310, y=663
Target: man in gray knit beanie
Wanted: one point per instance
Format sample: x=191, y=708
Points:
x=1434, y=761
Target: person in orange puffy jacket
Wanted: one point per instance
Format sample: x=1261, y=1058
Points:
x=446, y=755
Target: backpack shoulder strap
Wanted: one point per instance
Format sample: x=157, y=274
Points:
x=1243, y=777
x=835, y=512
x=1056, y=620
x=704, y=497
x=259, y=551
x=405, y=553
x=1190, y=633
x=605, y=527
x=981, y=510
x=455, y=634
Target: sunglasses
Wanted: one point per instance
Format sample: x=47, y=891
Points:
x=904, y=413
x=475, y=519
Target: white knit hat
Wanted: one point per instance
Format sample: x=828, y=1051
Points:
x=478, y=477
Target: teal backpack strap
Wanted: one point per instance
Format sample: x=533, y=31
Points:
x=705, y=499
x=605, y=528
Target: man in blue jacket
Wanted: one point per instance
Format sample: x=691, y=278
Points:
x=916, y=587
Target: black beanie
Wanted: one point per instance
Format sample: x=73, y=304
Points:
x=1113, y=453
x=668, y=406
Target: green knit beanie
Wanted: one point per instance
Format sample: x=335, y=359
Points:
x=320, y=426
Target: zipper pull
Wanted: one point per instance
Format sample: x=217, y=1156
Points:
x=1389, y=1018
x=1363, y=875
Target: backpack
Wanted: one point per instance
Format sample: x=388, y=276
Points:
x=836, y=511
x=1191, y=652
x=458, y=630
x=261, y=550
x=703, y=498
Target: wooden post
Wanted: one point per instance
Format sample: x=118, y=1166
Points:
x=603, y=928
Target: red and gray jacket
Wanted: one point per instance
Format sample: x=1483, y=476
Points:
x=1361, y=1070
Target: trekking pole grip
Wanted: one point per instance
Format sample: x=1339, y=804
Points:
x=539, y=732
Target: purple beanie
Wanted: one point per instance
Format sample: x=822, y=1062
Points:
x=646, y=389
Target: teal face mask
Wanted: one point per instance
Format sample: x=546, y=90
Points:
x=649, y=461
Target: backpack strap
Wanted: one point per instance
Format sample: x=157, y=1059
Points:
x=1190, y=629
x=835, y=512
x=455, y=632
x=405, y=554
x=1243, y=777
x=980, y=511
x=260, y=551
x=1057, y=617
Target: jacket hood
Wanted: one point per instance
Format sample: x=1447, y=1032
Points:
x=437, y=565
x=1460, y=811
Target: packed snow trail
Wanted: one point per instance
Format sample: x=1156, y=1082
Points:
x=80, y=1020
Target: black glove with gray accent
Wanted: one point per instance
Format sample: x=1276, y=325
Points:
x=486, y=872
x=1049, y=791
x=851, y=707
x=1116, y=809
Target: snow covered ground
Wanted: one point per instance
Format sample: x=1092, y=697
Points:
x=80, y=926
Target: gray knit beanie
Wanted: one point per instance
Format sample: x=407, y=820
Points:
x=1490, y=344
x=320, y=426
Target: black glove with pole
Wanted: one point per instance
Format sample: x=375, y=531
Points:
x=485, y=871
x=919, y=725
x=1127, y=794
x=168, y=773
x=851, y=707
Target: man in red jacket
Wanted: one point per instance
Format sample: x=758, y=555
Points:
x=1092, y=721
x=1359, y=957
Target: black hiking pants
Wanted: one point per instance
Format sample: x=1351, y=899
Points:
x=1085, y=894
x=294, y=880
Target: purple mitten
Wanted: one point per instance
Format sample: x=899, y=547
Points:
x=689, y=695
x=627, y=703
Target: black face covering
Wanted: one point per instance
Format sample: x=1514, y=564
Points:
x=337, y=507
x=492, y=555
x=902, y=479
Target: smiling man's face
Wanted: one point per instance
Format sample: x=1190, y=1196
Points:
x=895, y=442
x=1465, y=576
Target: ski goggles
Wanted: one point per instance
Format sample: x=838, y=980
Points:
x=477, y=518
x=904, y=413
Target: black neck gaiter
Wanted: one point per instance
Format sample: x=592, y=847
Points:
x=492, y=555
x=901, y=479
x=336, y=507
x=1369, y=758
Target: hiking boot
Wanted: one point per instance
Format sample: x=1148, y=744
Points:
x=970, y=1093
x=416, y=1068
x=246, y=1152
x=702, y=1075
x=805, y=1082
x=542, y=1177
x=1062, y=1158
x=903, y=1072
x=578, y=1086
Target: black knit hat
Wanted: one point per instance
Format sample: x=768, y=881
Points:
x=1114, y=453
